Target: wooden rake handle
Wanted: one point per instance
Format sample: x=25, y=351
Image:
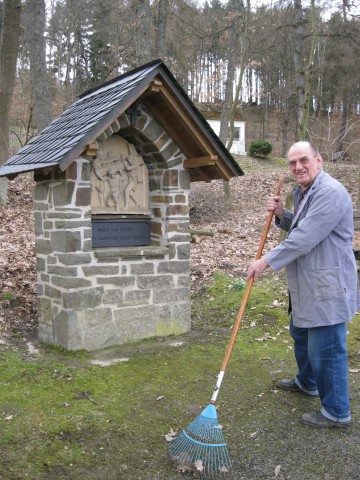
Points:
x=245, y=298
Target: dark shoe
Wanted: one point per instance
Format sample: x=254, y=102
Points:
x=292, y=386
x=317, y=419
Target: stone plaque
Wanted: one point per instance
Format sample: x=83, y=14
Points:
x=120, y=232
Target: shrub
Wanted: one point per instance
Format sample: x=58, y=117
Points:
x=260, y=148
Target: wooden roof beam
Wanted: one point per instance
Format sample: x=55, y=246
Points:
x=200, y=161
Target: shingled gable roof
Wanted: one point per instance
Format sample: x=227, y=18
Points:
x=68, y=135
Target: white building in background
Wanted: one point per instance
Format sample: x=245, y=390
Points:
x=238, y=146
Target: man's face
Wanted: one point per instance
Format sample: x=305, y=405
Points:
x=304, y=164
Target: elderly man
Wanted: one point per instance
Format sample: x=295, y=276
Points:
x=322, y=282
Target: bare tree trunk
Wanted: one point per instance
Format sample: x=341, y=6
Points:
x=161, y=29
x=298, y=62
x=344, y=116
x=309, y=70
x=224, y=119
x=243, y=61
x=8, y=54
x=38, y=72
x=143, y=44
x=230, y=103
x=344, y=123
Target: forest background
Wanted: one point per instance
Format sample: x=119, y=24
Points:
x=289, y=68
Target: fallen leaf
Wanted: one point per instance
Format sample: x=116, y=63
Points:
x=199, y=465
x=277, y=470
x=169, y=437
x=223, y=469
x=186, y=467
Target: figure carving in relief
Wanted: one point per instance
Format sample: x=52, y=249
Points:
x=132, y=179
x=119, y=180
x=115, y=188
x=98, y=185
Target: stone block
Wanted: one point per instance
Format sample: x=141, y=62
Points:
x=169, y=296
x=137, y=297
x=63, y=193
x=184, y=281
x=62, y=271
x=74, y=258
x=52, y=292
x=180, y=198
x=170, y=179
x=71, y=171
x=38, y=223
x=177, y=267
x=177, y=210
x=144, y=268
x=161, y=199
x=170, y=150
x=178, y=227
x=41, y=193
x=153, y=130
x=154, y=184
x=66, y=241
x=115, y=297
x=183, y=251
x=174, y=320
x=87, y=245
x=121, y=282
x=184, y=180
x=51, y=259
x=65, y=224
x=44, y=310
x=85, y=172
x=101, y=270
x=43, y=246
x=41, y=207
x=155, y=282
x=84, y=330
x=70, y=282
x=135, y=323
x=162, y=140
x=175, y=161
x=40, y=264
x=65, y=215
x=156, y=228
x=86, y=298
x=83, y=196
x=47, y=225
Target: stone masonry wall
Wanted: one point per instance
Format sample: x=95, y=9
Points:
x=95, y=298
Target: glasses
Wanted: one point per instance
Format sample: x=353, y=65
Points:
x=303, y=161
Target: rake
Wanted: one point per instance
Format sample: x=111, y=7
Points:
x=201, y=446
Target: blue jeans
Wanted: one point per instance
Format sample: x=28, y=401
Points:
x=322, y=361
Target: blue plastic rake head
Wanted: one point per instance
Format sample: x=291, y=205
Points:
x=202, y=446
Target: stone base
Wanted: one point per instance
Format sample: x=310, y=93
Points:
x=100, y=328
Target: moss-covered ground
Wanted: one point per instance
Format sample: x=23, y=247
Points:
x=62, y=416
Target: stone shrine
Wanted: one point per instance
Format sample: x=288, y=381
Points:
x=113, y=176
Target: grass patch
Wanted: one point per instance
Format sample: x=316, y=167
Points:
x=63, y=418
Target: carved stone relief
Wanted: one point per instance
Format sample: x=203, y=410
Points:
x=119, y=179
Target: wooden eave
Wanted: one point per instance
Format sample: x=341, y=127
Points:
x=204, y=158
